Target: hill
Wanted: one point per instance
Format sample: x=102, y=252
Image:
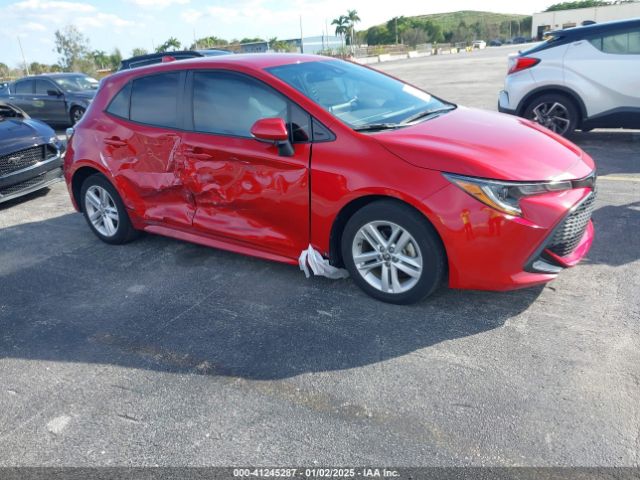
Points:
x=462, y=26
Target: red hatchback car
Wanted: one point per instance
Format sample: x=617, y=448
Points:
x=267, y=155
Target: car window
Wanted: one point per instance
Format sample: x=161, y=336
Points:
x=619, y=43
x=76, y=83
x=230, y=104
x=24, y=87
x=154, y=100
x=357, y=95
x=120, y=104
x=43, y=86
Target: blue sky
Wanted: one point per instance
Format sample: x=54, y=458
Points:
x=144, y=23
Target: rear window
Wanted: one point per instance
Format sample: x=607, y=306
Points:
x=154, y=100
x=24, y=87
x=624, y=43
x=119, y=106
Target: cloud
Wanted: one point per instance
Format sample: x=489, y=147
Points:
x=191, y=15
x=103, y=20
x=39, y=5
x=33, y=27
x=158, y=4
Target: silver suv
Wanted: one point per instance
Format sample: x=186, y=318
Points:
x=579, y=78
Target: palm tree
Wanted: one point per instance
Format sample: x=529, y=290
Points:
x=352, y=16
x=342, y=26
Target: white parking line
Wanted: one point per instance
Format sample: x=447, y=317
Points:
x=615, y=178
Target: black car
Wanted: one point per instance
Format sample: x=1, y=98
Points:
x=153, y=58
x=30, y=153
x=55, y=98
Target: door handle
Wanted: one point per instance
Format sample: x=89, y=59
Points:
x=115, y=142
x=191, y=153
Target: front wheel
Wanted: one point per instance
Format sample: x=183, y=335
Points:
x=392, y=253
x=555, y=111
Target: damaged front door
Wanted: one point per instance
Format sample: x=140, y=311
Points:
x=246, y=191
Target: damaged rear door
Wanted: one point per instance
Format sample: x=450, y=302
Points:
x=246, y=191
x=142, y=147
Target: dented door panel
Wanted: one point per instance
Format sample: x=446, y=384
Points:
x=146, y=162
x=246, y=192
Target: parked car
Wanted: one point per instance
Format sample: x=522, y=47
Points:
x=495, y=43
x=518, y=40
x=30, y=157
x=272, y=154
x=479, y=44
x=153, y=58
x=582, y=77
x=55, y=98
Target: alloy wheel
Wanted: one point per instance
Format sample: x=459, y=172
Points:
x=387, y=257
x=102, y=211
x=553, y=115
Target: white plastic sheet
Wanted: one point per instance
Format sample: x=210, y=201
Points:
x=311, y=259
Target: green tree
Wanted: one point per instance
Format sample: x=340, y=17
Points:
x=378, y=35
x=172, y=44
x=578, y=4
x=352, y=16
x=138, y=51
x=342, y=26
x=115, y=58
x=4, y=70
x=280, y=45
x=73, y=48
x=208, y=42
x=251, y=40
x=100, y=58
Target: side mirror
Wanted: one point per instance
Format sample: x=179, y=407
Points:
x=53, y=93
x=273, y=130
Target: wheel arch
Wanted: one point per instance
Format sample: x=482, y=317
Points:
x=350, y=208
x=78, y=178
x=558, y=89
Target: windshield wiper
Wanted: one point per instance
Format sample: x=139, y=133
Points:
x=427, y=113
x=372, y=127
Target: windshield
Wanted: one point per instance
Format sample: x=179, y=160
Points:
x=76, y=83
x=359, y=96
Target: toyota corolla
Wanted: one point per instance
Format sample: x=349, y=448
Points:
x=277, y=155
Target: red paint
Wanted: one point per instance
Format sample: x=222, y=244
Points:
x=242, y=195
x=273, y=129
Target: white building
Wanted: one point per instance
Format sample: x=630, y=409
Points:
x=546, y=21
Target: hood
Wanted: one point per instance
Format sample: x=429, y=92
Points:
x=486, y=144
x=17, y=134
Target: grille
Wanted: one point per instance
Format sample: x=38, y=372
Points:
x=21, y=159
x=22, y=185
x=570, y=232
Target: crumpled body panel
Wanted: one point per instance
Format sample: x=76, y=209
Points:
x=245, y=191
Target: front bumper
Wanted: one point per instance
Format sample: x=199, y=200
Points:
x=489, y=250
x=28, y=180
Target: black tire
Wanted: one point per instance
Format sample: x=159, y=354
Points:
x=566, y=109
x=124, y=231
x=430, y=248
x=76, y=114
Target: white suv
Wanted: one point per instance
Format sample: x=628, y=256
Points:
x=584, y=77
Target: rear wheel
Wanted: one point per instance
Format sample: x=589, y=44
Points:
x=555, y=111
x=392, y=253
x=104, y=211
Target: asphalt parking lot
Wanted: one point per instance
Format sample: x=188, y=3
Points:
x=161, y=352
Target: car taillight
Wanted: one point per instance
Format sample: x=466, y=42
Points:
x=517, y=64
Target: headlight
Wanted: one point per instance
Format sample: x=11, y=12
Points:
x=503, y=196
